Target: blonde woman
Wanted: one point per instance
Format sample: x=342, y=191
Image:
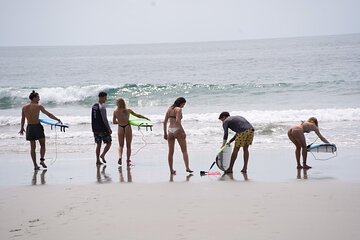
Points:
x=121, y=118
x=174, y=132
x=296, y=135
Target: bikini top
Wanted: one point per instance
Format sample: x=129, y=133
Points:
x=173, y=116
x=304, y=127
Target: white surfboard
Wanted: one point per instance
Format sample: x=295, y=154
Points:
x=325, y=148
x=223, y=158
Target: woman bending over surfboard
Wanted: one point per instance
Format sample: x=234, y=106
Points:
x=121, y=118
x=176, y=131
x=296, y=135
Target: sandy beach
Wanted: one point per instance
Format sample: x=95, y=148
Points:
x=218, y=210
x=73, y=199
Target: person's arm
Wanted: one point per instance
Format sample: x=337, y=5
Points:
x=137, y=115
x=317, y=131
x=115, y=121
x=226, y=132
x=43, y=110
x=178, y=116
x=232, y=139
x=22, y=130
x=104, y=118
x=165, y=124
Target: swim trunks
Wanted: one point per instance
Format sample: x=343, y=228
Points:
x=34, y=132
x=102, y=137
x=244, y=138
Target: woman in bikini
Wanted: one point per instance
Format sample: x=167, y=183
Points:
x=176, y=131
x=121, y=118
x=296, y=135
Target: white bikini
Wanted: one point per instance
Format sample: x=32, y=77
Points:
x=173, y=129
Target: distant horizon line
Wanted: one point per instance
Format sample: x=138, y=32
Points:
x=180, y=42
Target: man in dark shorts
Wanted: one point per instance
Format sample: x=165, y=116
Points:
x=243, y=137
x=101, y=128
x=34, y=130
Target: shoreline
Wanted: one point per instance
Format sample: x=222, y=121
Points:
x=266, y=165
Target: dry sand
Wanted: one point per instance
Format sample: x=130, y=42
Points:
x=301, y=209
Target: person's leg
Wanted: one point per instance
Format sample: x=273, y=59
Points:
x=105, y=150
x=182, y=142
x=233, y=159
x=171, y=145
x=304, y=154
x=33, y=154
x=42, y=152
x=128, y=136
x=246, y=158
x=293, y=139
x=121, y=136
x=97, y=152
x=107, y=140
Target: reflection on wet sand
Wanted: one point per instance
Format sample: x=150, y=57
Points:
x=305, y=176
x=101, y=176
x=187, y=178
x=230, y=177
x=128, y=172
x=42, y=177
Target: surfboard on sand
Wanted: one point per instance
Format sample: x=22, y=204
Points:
x=324, y=148
x=53, y=123
x=223, y=158
x=140, y=122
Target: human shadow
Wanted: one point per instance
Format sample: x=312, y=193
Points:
x=128, y=173
x=42, y=177
x=101, y=176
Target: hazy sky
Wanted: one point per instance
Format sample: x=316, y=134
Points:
x=87, y=22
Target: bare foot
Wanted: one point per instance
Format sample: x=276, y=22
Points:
x=306, y=166
x=228, y=171
x=103, y=159
x=98, y=163
x=172, y=172
x=299, y=167
x=244, y=170
x=36, y=168
x=129, y=163
x=42, y=162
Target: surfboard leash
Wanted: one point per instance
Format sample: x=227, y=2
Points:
x=145, y=143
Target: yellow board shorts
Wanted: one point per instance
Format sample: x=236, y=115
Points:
x=244, y=138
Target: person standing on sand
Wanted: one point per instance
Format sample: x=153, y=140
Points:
x=243, y=137
x=176, y=131
x=34, y=130
x=121, y=118
x=296, y=135
x=100, y=127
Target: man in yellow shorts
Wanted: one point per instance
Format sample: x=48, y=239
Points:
x=243, y=137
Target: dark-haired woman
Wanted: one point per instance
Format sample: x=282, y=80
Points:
x=174, y=132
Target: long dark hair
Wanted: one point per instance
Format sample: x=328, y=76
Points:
x=178, y=102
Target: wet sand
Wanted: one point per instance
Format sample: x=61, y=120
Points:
x=265, y=165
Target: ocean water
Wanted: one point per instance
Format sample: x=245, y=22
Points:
x=273, y=83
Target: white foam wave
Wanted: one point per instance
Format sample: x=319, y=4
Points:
x=258, y=117
x=58, y=95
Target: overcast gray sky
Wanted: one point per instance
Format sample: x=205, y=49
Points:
x=87, y=22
